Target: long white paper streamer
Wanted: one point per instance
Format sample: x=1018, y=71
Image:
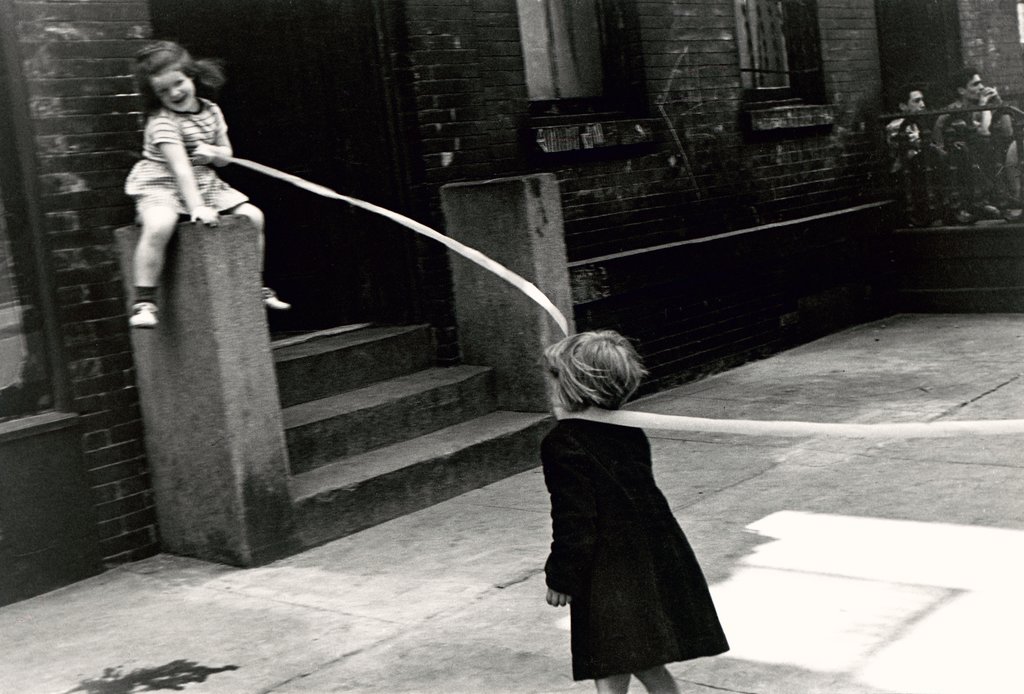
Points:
x=517, y=281
x=648, y=420
x=902, y=430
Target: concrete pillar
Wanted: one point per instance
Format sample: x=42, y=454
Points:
x=214, y=434
x=518, y=222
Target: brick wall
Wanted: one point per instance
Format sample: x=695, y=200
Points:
x=676, y=243
x=702, y=176
x=991, y=42
x=75, y=58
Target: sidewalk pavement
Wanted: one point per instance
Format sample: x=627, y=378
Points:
x=838, y=565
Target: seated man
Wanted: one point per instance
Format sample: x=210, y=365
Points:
x=914, y=166
x=978, y=149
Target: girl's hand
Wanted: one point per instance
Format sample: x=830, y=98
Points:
x=206, y=215
x=556, y=599
x=208, y=154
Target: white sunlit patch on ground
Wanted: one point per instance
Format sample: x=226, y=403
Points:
x=900, y=606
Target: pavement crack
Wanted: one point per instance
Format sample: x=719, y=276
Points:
x=723, y=488
x=320, y=666
x=716, y=687
x=914, y=619
x=520, y=578
x=962, y=405
x=502, y=507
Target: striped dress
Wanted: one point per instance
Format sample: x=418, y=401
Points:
x=151, y=182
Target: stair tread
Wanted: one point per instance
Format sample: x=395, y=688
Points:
x=329, y=343
x=350, y=471
x=377, y=394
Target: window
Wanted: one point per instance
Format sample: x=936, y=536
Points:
x=562, y=48
x=780, y=57
x=24, y=383
x=25, y=377
x=576, y=55
x=1020, y=22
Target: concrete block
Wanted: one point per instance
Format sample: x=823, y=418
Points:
x=518, y=222
x=214, y=434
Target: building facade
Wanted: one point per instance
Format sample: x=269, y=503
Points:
x=721, y=173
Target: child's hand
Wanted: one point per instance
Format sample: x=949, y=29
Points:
x=208, y=154
x=556, y=599
x=206, y=215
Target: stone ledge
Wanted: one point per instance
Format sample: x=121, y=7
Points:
x=791, y=117
x=36, y=425
x=592, y=135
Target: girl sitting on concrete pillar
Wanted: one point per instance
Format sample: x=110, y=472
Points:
x=184, y=135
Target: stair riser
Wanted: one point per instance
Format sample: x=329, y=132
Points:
x=317, y=376
x=997, y=300
x=351, y=433
x=346, y=511
x=977, y=269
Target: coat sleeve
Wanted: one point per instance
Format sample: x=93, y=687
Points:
x=573, y=516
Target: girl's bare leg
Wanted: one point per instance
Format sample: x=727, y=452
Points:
x=658, y=680
x=616, y=684
x=158, y=224
x=255, y=215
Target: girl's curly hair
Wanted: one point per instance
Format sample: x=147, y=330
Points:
x=161, y=56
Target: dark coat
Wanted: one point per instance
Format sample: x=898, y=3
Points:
x=639, y=597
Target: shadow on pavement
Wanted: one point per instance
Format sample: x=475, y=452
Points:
x=170, y=677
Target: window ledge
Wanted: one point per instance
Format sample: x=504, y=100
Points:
x=591, y=134
x=791, y=117
x=35, y=425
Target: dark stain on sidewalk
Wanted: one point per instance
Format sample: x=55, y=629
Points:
x=174, y=676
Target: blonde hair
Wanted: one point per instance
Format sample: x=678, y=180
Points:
x=594, y=368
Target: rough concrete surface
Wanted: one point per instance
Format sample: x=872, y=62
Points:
x=214, y=436
x=839, y=565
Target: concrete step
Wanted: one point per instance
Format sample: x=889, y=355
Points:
x=354, y=493
x=971, y=269
x=327, y=363
x=385, y=413
x=973, y=300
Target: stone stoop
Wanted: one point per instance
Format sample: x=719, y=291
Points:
x=375, y=431
x=959, y=269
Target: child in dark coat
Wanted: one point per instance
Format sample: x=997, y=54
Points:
x=637, y=596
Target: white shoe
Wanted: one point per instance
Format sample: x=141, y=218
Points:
x=270, y=300
x=143, y=315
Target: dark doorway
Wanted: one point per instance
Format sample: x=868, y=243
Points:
x=306, y=94
x=919, y=46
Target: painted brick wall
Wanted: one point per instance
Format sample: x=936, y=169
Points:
x=703, y=176
x=76, y=66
